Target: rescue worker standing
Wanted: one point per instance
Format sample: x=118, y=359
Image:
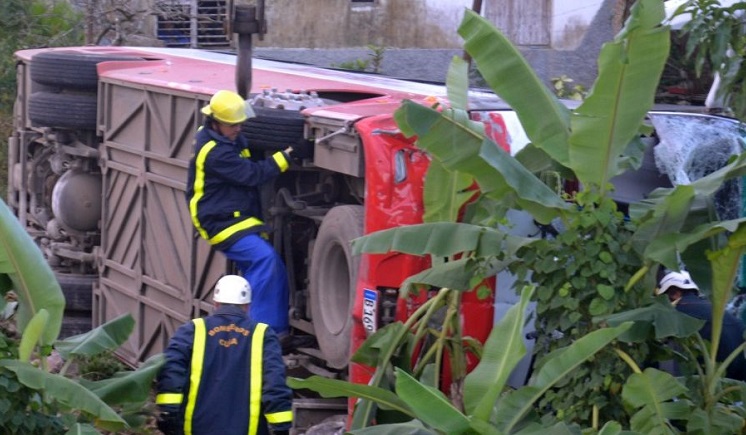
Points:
x=683, y=294
x=224, y=373
x=224, y=202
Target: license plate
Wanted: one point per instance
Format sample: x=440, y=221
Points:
x=370, y=310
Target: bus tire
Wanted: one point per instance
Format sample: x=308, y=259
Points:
x=69, y=70
x=78, y=291
x=273, y=129
x=333, y=277
x=63, y=110
x=75, y=324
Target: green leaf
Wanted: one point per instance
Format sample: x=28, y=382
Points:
x=605, y=291
x=66, y=392
x=664, y=319
x=441, y=239
x=108, y=336
x=430, y=405
x=545, y=120
x=380, y=343
x=32, y=335
x=460, y=144
x=650, y=388
x=503, y=350
x=647, y=392
x=663, y=248
x=445, y=193
x=457, y=83
x=661, y=215
x=82, y=429
x=413, y=427
x=33, y=280
x=336, y=388
x=128, y=387
x=611, y=115
x=511, y=409
x=725, y=267
x=531, y=193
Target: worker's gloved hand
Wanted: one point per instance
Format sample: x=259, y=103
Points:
x=170, y=423
x=281, y=432
x=302, y=150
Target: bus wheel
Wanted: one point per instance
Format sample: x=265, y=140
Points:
x=63, y=110
x=334, y=273
x=273, y=129
x=70, y=70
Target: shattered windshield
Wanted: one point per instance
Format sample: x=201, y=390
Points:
x=692, y=146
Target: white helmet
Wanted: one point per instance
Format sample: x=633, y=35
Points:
x=232, y=289
x=681, y=280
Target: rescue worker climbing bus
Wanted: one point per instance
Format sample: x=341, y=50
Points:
x=223, y=198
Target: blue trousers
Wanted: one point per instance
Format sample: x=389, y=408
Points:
x=262, y=266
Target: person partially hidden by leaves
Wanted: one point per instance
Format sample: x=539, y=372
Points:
x=683, y=293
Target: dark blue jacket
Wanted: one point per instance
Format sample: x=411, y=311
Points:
x=730, y=338
x=222, y=189
x=239, y=376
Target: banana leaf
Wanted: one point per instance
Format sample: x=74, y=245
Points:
x=457, y=83
x=24, y=270
x=441, y=239
x=649, y=393
x=413, y=427
x=66, y=392
x=503, y=350
x=106, y=337
x=335, y=388
x=725, y=266
x=512, y=408
x=32, y=335
x=664, y=248
x=659, y=319
x=430, y=405
x=82, y=429
x=610, y=117
x=457, y=142
x=127, y=387
x=445, y=193
x=545, y=120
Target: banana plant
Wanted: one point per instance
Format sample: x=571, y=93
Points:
x=592, y=143
x=24, y=271
x=39, y=318
x=488, y=409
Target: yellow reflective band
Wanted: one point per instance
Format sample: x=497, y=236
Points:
x=281, y=161
x=245, y=153
x=255, y=394
x=233, y=229
x=199, y=185
x=198, y=357
x=169, y=399
x=279, y=417
x=236, y=214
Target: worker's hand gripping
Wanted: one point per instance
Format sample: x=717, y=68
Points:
x=303, y=149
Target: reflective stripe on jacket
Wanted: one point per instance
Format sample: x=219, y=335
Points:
x=225, y=374
x=223, y=186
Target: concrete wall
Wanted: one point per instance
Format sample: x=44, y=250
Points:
x=430, y=24
x=556, y=36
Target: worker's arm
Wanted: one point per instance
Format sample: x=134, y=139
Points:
x=277, y=397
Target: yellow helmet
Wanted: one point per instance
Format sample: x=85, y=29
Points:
x=228, y=107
